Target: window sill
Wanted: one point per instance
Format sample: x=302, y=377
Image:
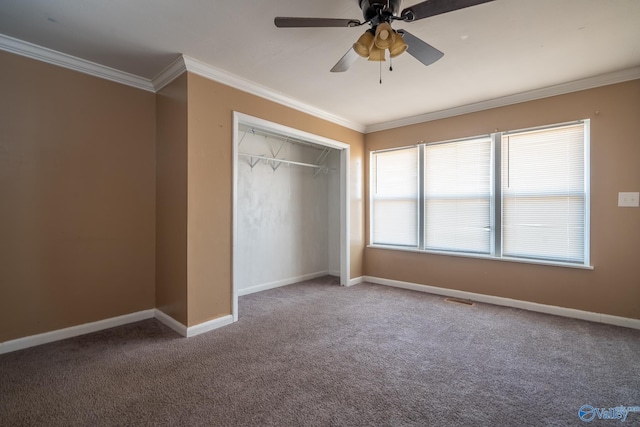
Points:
x=485, y=257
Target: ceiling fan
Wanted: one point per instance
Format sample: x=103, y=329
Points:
x=380, y=37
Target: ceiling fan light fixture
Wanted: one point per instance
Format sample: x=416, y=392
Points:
x=398, y=47
x=364, y=44
x=377, y=54
x=385, y=36
x=379, y=15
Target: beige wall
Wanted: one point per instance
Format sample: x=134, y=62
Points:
x=613, y=287
x=194, y=192
x=77, y=196
x=211, y=107
x=171, y=199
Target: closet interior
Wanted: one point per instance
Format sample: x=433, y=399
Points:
x=288, y=210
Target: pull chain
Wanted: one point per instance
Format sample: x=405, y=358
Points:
x=380, y=72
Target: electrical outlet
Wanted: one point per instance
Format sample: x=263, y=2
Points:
x=628, y=200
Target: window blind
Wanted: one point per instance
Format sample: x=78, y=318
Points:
x=457, y=199
x=543, y=194
x=395, y=197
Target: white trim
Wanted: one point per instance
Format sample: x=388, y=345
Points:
x=620, y=321
x=560, y=89
x=356, y=281
x=53, y=57
x=483, y=256
x=169, y=74
x=587, y=188
x=88, y=328
x=210, y=325
x=508, y=302
x=216, y=74
x=235, y=265
x=335, y=273
x=282, y=129
x=169, y=321
x=279, y=283
x=345, y=215
x=192, y=331
x=74, y=331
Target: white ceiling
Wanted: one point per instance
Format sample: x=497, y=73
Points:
x=491, y=51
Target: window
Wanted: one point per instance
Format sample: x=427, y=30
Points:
x=395, y=197
x=457, y=196
x=513, y=195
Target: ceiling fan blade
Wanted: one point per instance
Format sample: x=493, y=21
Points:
x=420, y=50
x=345, y=62
x=287, y=22
x=436, y=7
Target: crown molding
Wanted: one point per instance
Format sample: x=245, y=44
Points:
x=561, y=89
x=43, y=54
x=184, y=63
x=170, y=73
x=212, y=73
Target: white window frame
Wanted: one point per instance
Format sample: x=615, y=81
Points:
x=496, y=201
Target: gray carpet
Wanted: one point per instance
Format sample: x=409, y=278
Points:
x=318, y=354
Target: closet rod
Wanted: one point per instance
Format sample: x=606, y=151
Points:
x=289, y=162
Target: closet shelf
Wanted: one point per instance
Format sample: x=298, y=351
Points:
x=321, y=168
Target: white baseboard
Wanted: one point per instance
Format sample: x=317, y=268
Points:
x=279, y=283
x=169, y=321
x=73, y=331
x=201, y=328
x=192, y=331
x=507, y=302
x=620, y=321
x=356, y=281
x=87, y=328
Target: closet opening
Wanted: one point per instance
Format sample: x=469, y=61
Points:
x=290, y=207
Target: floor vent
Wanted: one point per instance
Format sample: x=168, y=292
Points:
x=459, y=301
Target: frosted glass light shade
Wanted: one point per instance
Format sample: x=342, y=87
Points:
x=398, y=47
x=385, y=36
x=377, y=54
x=364, y=44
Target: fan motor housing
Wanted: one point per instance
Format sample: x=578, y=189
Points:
x=370, y=8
